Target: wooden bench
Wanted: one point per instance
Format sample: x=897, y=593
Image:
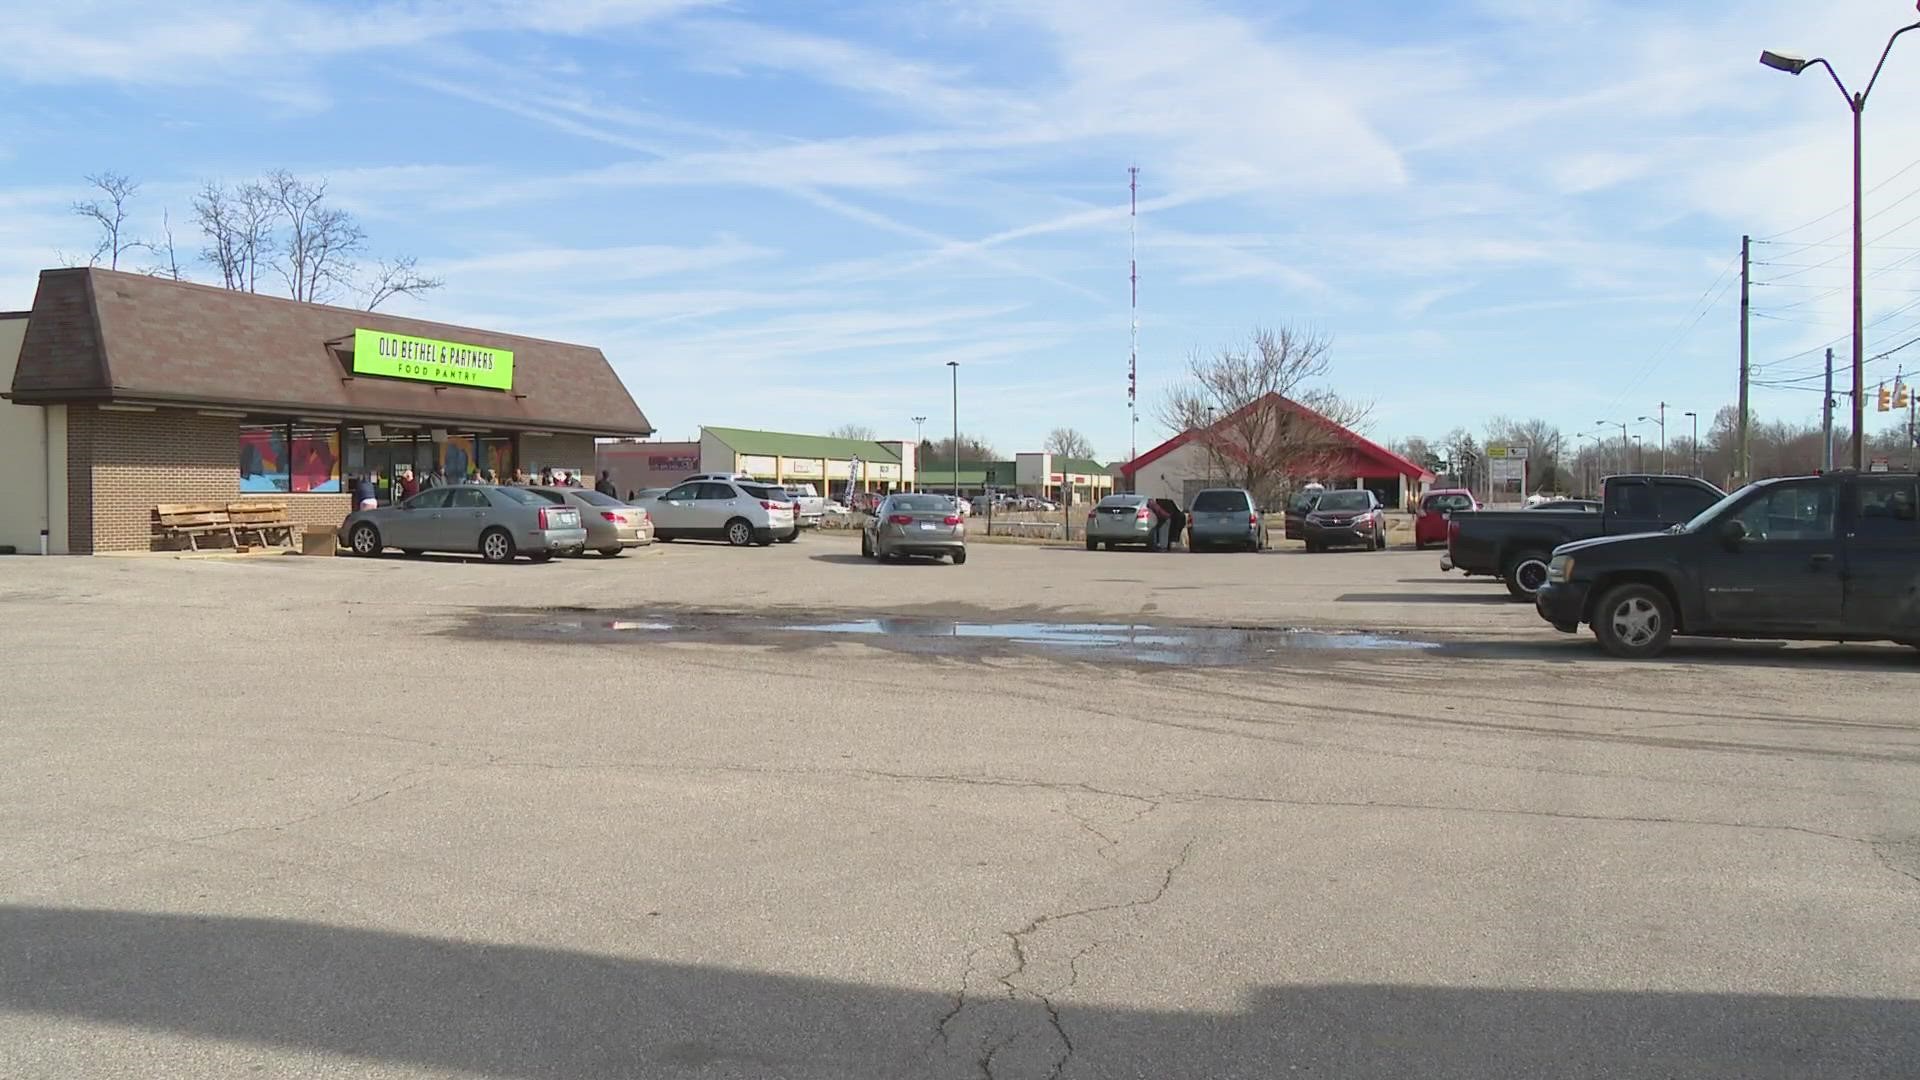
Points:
x=191, y=521
x=265, y=520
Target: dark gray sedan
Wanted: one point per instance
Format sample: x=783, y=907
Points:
x=498, y=522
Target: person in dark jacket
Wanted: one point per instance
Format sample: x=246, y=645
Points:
x=605, y=486
x=366, y=492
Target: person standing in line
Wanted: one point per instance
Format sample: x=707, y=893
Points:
x=546, y=476
x=409, y=486
x=605, y=486
x=366, y=493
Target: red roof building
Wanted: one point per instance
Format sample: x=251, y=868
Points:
x=1203, y=457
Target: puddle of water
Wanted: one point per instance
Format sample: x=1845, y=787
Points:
x=1133, y=641
x=629, y=624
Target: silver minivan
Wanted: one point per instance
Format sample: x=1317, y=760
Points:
x=717, y=510
x=1120, y=519
x=1226, y=517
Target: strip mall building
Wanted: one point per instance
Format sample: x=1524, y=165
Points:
x=129, y=391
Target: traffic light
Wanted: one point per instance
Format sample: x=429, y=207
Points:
x=1886, y=399
x=1900, y=396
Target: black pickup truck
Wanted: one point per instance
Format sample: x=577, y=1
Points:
x=1514, y=545
x=1834, y=557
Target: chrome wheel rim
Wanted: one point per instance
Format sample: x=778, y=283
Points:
x=495, y=546
x=1636, y=621
x=1531, y=574
x=739, y=534
x=363, y=540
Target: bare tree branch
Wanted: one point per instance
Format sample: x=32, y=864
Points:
x=1068, y=442
x=321, y=241
x=1240, y=401
x=238, y=227
x=110, y=215
x=167, y=260
x=860, y=432
x=399, y=277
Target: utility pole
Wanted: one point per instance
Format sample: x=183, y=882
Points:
x=954, y=365
x=1740, y=459
x=918, y=438
x=1663, y=438
x=1133, y=313
x=1695, y=417
x=1826, y=417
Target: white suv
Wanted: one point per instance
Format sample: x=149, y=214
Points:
x=717, y=510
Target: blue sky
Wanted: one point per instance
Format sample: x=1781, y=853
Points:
x=792, y=216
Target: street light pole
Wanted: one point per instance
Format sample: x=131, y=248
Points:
x=955, y=366
x=1640, y=455
x=1794, y=65
x=1695, y=444
x=1663, y=435
x=1626, y=447
x=918, y=438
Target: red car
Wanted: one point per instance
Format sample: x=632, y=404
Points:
x=1430, y=520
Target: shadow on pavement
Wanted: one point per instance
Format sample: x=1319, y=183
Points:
x=856, y=560
x=1784, y=654
x=523, y=1012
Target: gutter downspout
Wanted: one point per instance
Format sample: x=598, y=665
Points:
x=46, y=478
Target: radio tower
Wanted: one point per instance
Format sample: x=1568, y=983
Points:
x=1133, y=312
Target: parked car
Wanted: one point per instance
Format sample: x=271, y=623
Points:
x=865, y=502
x=773, y=493
x=1833, y=557
x=1120, y=519
x=646, y=493
x=612, y=526
x=496, y=521
x=1225, y=517
x=717, y=510
x=807, y=504
x=1515, y=545
x=915, y=524
x=1430, y=517
x=1348, y=517
x=718, y=476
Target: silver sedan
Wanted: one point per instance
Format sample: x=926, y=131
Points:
x=497, y=522
x=915, y=524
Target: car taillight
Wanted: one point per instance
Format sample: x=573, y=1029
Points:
x=765, y=505
x=900, y=519
x=545, y=522
x=955, y=520
x=1141, y=515
x=613, y=517
x=1253, y=519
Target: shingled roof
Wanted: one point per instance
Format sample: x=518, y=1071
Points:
x=103, y=336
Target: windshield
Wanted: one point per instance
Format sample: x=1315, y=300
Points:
x=1344, y=501
x=1702, y=519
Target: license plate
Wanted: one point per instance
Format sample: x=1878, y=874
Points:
x=926, y=527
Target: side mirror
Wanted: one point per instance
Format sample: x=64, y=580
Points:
x=1733, y=533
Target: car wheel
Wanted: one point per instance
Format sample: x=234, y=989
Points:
x=612, y=552
x=496, y=546
x=1092, y=544
x=739, y=532
x=1525, y=574
x=960, y=557
x=364, y=539
x=866, y=545
x=1633, y=621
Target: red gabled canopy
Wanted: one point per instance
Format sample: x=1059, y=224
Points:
x=1359, y=456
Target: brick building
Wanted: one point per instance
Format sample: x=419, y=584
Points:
x=128, y=391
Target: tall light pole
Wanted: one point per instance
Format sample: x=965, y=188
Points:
x=954, y=365
x=1794, y=65
x=1626, y=448
x=1663, y=435
x=1695, y=417
x=918, y=438
x=1640, y=455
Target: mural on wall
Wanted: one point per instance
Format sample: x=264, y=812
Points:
x=263, y=459
x=456, y=457
x=316, y=461
x=499, y=457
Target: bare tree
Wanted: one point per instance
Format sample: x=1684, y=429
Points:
x=238, y=227
x=941, y=450
x=166, y=260
x=1068, y=442
x=316, y=255
x=399, y=277
x=109, y=213
x=860, y=432
x=1259, y=411
x=1542, y=441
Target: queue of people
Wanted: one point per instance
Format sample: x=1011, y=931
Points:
x=370, y=489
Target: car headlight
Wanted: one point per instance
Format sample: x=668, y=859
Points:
x=1560, y=568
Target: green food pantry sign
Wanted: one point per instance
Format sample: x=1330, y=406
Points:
x=399, y=356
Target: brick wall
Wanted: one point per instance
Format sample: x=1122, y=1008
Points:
x=142, y=459
x=80, y=425
x=569, y=452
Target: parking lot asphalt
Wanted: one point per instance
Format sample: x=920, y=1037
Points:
x=706, y=812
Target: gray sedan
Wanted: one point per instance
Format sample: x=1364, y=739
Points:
x=912, y=524
x=496, y=521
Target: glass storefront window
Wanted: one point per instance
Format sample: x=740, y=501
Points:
x=263, y=458
x=315, y=459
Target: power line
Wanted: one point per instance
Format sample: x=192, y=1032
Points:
x=1680, y=335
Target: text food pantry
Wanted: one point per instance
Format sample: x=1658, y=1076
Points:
x=126, y=392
